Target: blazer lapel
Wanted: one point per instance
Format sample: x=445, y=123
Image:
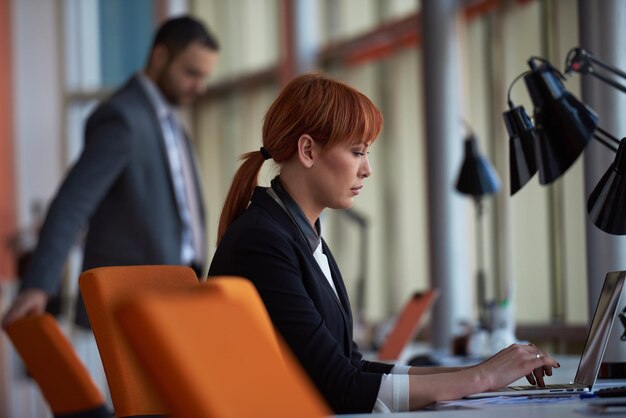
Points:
x=341, y=290
x=338, y=280
x=273, y=200
x=157, y=135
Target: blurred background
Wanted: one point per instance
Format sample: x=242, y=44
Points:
x=61, y=57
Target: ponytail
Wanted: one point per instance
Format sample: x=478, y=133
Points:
x=245, y=180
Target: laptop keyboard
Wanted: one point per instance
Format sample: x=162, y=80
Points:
x=568, y=387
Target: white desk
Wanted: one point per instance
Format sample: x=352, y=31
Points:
x=559, y=409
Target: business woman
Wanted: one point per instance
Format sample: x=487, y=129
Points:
x=319, y=132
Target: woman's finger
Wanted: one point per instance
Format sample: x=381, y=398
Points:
x=539, y=377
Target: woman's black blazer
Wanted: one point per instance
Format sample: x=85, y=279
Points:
x=266, y=246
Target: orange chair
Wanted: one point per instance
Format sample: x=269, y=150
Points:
x=52, y=362
x=407, y=324
x=213, y=352
x=103, y=290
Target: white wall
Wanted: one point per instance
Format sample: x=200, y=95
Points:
x=38, y=102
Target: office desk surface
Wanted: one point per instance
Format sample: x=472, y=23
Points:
x=557, y=409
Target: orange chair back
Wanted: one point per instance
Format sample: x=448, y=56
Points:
x=52, y=362
x=407, y=324
x=214, y=353
x=103, y=290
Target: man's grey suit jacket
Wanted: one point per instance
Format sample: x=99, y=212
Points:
x=121, y=188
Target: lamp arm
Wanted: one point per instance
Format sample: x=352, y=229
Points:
x=609, y=81
x=605, y=137
x=581, y=61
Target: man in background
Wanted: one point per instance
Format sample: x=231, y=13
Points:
x=135, y=185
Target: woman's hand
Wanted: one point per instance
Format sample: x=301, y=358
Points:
x=516, y=361
x=427, y=386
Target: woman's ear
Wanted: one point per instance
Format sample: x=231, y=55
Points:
x=306, y=150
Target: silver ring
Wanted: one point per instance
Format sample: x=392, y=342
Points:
x=537, y=355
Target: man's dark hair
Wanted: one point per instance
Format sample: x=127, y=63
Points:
x=177, y=33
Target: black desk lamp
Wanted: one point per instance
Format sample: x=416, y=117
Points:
x=477, y=178
x=606, y=205
x=522, y=140
x=563, y=128
x=607, y=202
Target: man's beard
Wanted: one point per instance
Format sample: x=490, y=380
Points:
x=162, y=83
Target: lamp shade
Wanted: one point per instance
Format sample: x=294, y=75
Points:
x=607, y=203
x=522, y=138
x=564, y=125
x=477, y=177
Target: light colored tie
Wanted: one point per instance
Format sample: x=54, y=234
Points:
x=181, y=164
x=193, y=199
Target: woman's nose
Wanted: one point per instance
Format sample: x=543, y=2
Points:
x=366, y=168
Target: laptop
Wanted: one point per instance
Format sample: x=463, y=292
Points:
x=591, y=358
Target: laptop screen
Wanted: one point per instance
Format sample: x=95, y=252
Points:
x=600, y=328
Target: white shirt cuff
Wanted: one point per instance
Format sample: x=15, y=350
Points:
x=393, y=394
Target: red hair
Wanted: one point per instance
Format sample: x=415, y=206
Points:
x=329, y=111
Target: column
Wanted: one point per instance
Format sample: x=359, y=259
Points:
x=448, y=240
x=602, y=33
